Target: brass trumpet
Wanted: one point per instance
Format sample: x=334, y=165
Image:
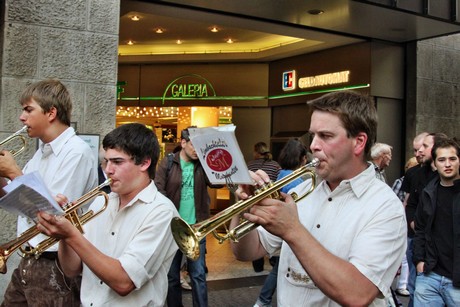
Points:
x=188, y=237
x=15, y=135
x=70, y=213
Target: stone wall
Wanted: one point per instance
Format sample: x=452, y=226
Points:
x=75, y=41
x=438, y=85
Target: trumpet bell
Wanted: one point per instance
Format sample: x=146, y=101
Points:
x=186, y=238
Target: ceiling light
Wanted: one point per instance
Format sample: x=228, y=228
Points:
x=130, y=42
x=135, y=18
x=230, y=41
x=315, y=12
x=179, y=42
x=214, y=29
x=159, y=30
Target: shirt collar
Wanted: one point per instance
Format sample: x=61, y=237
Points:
x=58, y=143
x=358, y=184
x=147, y=195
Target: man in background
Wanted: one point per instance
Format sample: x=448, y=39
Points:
x=183, y=180
x=436, y=240
x=414, y=182
x=381, y=158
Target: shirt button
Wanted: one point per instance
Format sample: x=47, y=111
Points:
x=23, y=282
x=113, y=233
x=318, y=226
x=287, y=275
x=101, y=282
x=329, y=199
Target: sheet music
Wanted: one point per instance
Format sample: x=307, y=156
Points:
x=27, y=195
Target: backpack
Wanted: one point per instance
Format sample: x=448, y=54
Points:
x=170, y=162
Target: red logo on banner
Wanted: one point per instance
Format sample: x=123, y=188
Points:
x=219, y=160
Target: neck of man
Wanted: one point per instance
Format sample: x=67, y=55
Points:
x=184, y=156
x=448, y=182
x=53, y=132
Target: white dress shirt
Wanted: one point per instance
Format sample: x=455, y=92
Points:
x=361, y=221
x=140, y=237
x=66, y=166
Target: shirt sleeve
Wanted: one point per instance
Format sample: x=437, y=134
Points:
x=75, y=177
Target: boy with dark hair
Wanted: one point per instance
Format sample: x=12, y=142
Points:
x=126, y=251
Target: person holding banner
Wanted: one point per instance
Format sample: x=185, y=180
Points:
x=183, y=180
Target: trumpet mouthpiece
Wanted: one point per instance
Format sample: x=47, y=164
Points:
x=314, y=163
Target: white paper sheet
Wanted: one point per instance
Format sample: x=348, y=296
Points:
x=27, y=195
x=220, y=154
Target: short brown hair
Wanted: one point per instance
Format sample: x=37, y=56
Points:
x=50, y=93
x=356, y=111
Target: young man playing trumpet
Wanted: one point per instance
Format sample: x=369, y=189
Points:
x=66, y=164
x=342, y=244
x=126, y=251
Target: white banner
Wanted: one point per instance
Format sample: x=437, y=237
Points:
x=220, y=154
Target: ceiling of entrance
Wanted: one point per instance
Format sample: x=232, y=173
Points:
x=261, y=30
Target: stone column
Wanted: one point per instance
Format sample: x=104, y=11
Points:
x=75, y=41
x=433, y=87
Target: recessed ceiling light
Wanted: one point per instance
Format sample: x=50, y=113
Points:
x=179, y=42
x=214, y=29
x=130, y=42
x=315, y=12
x=230, y=41
x=159, y=30
x=135, y=18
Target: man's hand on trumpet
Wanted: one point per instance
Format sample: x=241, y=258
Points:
x=278, y=216
x=8, y=166
x=56, y=226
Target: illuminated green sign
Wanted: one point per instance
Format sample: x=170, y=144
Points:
x=188, y=87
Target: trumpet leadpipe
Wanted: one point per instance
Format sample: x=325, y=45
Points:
x=16, y=135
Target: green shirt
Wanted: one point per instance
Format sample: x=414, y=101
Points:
x=187, y=197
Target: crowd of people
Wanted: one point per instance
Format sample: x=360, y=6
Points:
x=344, y=244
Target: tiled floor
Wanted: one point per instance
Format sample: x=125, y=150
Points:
x=222, y=264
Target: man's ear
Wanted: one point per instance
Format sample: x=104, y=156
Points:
x=360, y=143
x=52, y=114
x=146, y=164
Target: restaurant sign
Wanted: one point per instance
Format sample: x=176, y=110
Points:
x=325, y=79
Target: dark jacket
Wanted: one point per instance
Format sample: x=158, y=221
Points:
x=169, y=184
x=424, y=243
x=420, y=176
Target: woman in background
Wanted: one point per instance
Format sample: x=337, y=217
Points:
x=292, y=156
x=263, y=160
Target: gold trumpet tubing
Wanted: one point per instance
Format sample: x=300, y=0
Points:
x=70, y=212
x=17, y=134
x=6, y=250
x=246, y=226
x=188, y=237
x=76, y=220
